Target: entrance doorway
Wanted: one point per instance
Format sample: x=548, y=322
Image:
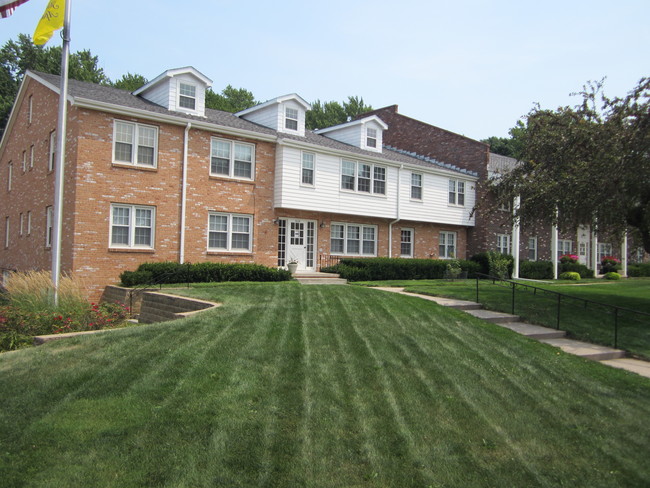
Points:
x=300, y=243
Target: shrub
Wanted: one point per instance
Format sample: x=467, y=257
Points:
x=133, y=278
x=612, y=275
x=569, y=258
x=581, y=269
x=570, y=275
x=375, y=269
x=494, y=264
x=536, y=270
x=638, y=270
x=609, y=264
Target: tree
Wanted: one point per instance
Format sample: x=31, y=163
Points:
x=590, y=162
x=130, y=82
x=16, y=57
x=230, y=100
x=327, y=114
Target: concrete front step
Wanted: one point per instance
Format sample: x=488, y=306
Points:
x=322, y=281
x=533, y=331
x=457, y=304
x=495, y=317
x=585, y=349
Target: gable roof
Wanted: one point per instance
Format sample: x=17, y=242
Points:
x=114, y=100
x=345, y=125
x=170, y=73
x=274, y=101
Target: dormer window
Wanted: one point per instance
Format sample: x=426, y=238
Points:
x=291, y=118
x=187, y=96
x=371, y=137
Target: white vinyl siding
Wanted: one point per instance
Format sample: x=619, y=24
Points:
x=232, y=159
x=230, y=232
x=135, y=144
x=132, y=226
x=353, y=239
x=447, y=245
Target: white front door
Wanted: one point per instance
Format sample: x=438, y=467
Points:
x=301, y=241
x=584, y=235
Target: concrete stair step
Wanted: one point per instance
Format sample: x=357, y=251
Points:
x=322, y=281
x=534, y=331
x=495, y=317
x=585, y=349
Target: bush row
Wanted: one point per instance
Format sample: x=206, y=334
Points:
x=375, y=269
x=638, y=270
x=170, y=272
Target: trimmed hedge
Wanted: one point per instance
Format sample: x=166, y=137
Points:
x=378, y=269
x=638, y=270
x=612, y=275
x=570, y=275
x=536, y=270
x=170, y=272
x=581, y=269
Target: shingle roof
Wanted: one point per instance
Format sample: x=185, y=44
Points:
x=122, y=98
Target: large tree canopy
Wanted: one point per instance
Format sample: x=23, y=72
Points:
x=230, y=99
x=328, y=114
x=591, y=162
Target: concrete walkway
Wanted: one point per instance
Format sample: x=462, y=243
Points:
x=606, y=355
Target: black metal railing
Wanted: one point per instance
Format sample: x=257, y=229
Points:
x=559, y=298
x=158, y=282
x=327, y=260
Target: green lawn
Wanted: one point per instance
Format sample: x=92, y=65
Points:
x=589, y=322
x=321, y=386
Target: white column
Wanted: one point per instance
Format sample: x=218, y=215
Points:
x=624, y=255
x=515, y=236
x=594, y=250
x=554, y=236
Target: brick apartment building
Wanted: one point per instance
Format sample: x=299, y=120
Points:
x=154, y=176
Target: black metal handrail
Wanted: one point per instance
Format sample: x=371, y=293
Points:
x=559, y=296
x=160, y=280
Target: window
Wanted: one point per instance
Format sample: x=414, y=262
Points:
x=447, y=245
x=22, y=224
x=30, y=109
x=135, y=144
x=308, y=168
x=49, y=222
x=291, y=118
x=52, y=151
x=10, y=171
x=406, y=243
x=363, y=177
x=31, y=157
x=503, y=243
x=6, y=232
x=371, y=137
x=532, y=248
x=351, y=239
x=504, y=207
x=24, y=165
x=187, y=96
x=416, y=186
x=604, y=250
x=564, y=247
x=132, y=226
x=231, y=159
x=456, y=192
x=29, y=222
x=229, y=232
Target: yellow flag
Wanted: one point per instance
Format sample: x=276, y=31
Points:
x=52, y=20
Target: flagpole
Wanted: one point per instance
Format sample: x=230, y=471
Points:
x=59, y=161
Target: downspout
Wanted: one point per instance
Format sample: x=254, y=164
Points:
x=184, y=192
x=390, y=225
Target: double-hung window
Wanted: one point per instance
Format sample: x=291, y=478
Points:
x=232, y=159
x=532, y=248
x=604, y=249
x=503, y=243
x=371, y=137
x=291, y=118
x=447, y=245
x=363, y=177
x=353, y=239
x=6, y=232
x=406, y=244
x=456, y=192
x=230, y=232
x=49, y=223
x=132, y=226
x=308, y=168
x=10, y=175
x=187, y=96
x=135, y=144
x=564, y=247
x=52, y=151
x=416, y=186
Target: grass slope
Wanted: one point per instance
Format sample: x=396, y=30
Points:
x=321, y=386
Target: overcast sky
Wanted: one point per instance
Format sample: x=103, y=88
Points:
x=469, y=66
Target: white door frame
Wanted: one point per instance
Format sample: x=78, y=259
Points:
x=301, y=243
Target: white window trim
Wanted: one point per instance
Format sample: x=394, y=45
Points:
x=231, y=162
x=313, y=169
x=195, y=97
x=604, y=249
x=52, y=151
x=361, y=240
x=229, y=233
x=499, y=243
x=411, y=242
x=421, y=187
x=456, y=192
x=49, y=225
x=371, y=135
x=31, y=156
x=132, y=213
x=534, y=239
x=10, y=175
x=356, y=178
x=29, y=222
x=455, y=251
x=288, y=118
x=562, y=247
x=24, y=163
x=22, y=223
x=30, y=109
x=6, y=232
x=134, y=152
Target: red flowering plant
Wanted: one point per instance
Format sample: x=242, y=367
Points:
x=568, y=258
x=609, y=264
